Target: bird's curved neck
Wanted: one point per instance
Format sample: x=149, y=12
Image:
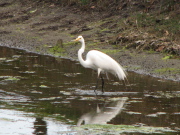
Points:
x=80, y=52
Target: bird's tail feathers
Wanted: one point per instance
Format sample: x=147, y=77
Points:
x=121, y=73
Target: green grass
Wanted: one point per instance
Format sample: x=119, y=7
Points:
x=105, y=29
x=165, y=70
x=70, y=43
x=118, y=129
x=60, y=49
x=108, y=51
x=56, y=51
x=157, y=23
x=167, y=57
x=33, y=11
x=84, y=2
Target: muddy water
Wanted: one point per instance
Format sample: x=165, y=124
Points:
x=46, y=95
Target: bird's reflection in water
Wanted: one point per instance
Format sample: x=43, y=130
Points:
x=40, y=127
x=104, y=114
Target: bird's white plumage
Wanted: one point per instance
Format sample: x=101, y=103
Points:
x=100, y=61
x=103, y=62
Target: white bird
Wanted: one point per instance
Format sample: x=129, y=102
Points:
x=100, y=62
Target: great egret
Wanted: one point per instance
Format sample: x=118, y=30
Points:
x=101, y=62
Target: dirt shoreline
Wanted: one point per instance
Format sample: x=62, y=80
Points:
x=42, y=29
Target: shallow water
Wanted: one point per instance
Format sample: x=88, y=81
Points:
x=46, y=95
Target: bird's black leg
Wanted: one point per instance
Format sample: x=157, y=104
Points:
x=96, y=86
x=124, y=83
x=102, y=83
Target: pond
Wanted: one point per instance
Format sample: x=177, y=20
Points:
x=41, y=94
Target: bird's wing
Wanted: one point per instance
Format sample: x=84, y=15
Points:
x=97, y=59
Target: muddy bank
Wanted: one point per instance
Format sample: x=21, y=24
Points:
x=48, y=28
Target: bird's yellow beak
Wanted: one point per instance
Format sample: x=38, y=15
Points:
x=77, y=39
